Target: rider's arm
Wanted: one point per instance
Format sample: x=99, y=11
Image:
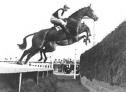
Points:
x=60, y=14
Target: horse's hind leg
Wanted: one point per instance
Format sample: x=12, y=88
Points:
x=40, y=55
x=45, y=57
x=23, y=55
x=32, y=53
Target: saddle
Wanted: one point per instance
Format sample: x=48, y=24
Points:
x=59, y=28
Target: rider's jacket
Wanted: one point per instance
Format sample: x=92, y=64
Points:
x=56, y=14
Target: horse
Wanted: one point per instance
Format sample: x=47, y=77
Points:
x=42, y=37
x=51, y=46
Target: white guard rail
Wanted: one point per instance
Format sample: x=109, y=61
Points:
x=47, y=65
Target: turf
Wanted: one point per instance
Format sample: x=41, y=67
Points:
x=9, y=83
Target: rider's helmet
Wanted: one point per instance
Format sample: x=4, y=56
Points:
x=65, y=7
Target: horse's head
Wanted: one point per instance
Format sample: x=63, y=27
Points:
x=86, y=11
x=75, y=19
x=90, y=13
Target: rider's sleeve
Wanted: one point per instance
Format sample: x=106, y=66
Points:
x=60, y=14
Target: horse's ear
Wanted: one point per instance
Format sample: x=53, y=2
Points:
x=90, y=5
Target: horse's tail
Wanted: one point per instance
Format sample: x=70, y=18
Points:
x=24, y=44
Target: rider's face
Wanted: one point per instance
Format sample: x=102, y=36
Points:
x=65, y=9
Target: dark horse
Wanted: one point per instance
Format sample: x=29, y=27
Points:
x=42, y=37
x=51, y=46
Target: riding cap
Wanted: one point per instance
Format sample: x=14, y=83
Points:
x=66, y=7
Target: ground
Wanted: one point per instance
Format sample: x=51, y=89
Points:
x=9, y=83
x=70, y=85
x=101, y=86
x=54, y=83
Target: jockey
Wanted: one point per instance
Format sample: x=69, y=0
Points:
x=58, y=20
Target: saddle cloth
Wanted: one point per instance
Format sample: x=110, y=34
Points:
x=58, y=28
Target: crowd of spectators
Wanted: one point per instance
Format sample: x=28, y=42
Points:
x=65, y=61
x=65, y=65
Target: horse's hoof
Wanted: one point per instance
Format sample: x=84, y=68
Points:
x=84, y=40
x=89, y=35
x=89, y=41
x=19, y=63
x=39, y=59
x=85, y=43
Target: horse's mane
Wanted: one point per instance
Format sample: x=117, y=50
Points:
x=77, y=13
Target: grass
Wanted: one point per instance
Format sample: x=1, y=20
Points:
x=9, y=83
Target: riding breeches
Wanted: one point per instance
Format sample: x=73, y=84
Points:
x=57, y=21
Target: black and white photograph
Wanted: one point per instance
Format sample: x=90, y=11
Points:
x=63, y=46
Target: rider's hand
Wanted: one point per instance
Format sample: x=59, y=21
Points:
x=65, y=19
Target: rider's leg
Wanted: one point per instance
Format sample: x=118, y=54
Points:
x=65, y=30
x=62, y=24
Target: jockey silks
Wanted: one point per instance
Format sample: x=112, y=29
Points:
x=56, y=15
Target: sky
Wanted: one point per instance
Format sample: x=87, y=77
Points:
x=19, y=18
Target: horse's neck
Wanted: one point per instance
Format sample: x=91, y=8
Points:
x=76, y=17
x=74, y=20
x=79, y=14
x=73, y=24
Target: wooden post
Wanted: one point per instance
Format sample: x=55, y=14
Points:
x=37, y=77
x=20, y=79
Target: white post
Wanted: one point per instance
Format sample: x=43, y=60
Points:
x=51, y=60
x=52, y=67
x=20, y=79
x=75, y=65
x=37, y=77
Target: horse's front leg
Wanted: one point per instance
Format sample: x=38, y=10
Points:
x=45, y=57
x=40, y=55
x=89, y=33
x=23, y=55
x=80, y=37
x=87, y=37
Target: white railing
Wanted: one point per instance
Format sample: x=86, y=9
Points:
x=47, y=65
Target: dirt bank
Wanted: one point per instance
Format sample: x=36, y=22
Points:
x=106, y=61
